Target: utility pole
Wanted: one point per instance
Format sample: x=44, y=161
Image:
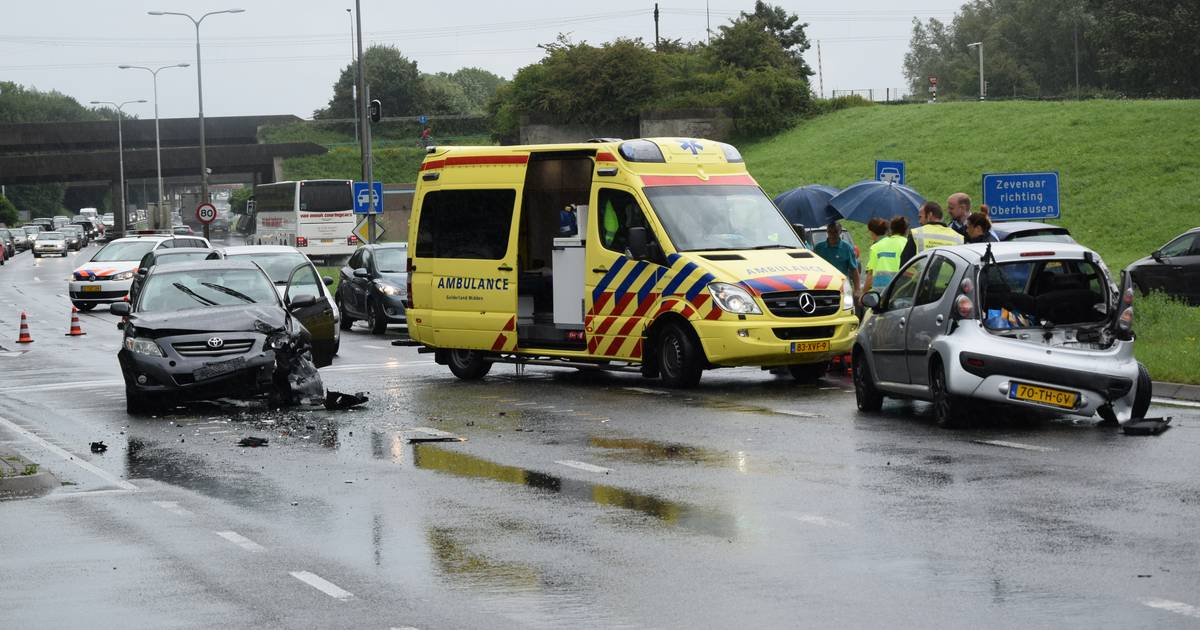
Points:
x=1076, y=36
x=707, y=24
x=121, y=214
x=353, y=86
x=655, y=26
x=820, y=72
x=982, y=85
x=364, y=96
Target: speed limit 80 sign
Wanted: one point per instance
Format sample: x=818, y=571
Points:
x=206, y=213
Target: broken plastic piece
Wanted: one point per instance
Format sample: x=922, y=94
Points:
x=253, y=441
x=426, y=434
x=338, y=400
x=99, y=447
x=1147, y=426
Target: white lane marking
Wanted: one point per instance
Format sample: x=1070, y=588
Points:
x=1017, y=445
x=374, y=347
x=53, y=387
x=321, y=584
x=66, y=456
x=583, y=466
x=524, y=404
x=57, y=496
x=217, y=432
x=646, y=390
x=798, y=414
x=241, y=541
x=173, y=508
x=404, y=628
x=1178, y=608
x=1175, y=402
x=364, y=367
x=820, y=521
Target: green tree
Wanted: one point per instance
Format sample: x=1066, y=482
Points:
x=1149, y=48
x=478, y=86
x=238, y=199
x=393, y=79
x=41, y=200
x=443, y=95
x=8, y=212
x=21, y=104
x=787, y=29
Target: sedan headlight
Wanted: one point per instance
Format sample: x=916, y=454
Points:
x=389, y=289
x=143, y=346
x=733, y=299
x=124, y=275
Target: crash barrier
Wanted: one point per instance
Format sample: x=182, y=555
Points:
x=76, y=330
x=24, y=336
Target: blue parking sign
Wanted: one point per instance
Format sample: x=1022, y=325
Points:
x=889, y=171
x=362, y=197
x=1021, y=196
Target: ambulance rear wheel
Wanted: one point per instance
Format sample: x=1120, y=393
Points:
x=468, y=365
x=680, y=357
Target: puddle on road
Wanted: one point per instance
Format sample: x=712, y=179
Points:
x=454, y=559
x=153, y=460
x=429, y=457
x=651, y=452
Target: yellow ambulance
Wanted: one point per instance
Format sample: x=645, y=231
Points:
x=661, y=255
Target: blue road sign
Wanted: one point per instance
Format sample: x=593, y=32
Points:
x=362, y=198
x=1021, y=196
x=423, y=119
x=889, y=171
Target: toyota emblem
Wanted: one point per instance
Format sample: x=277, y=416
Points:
x=807, y=304
x=216, y=342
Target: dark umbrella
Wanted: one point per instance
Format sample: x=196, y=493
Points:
x=866, y=200
x=808, y=205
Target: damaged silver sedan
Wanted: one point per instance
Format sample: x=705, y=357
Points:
x=219, y=329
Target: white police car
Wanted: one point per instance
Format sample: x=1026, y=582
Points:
x=107, y=276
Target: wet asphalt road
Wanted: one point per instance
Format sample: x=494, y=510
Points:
x=580, y=499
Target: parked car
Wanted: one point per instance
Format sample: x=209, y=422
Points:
x=75, y=237
x=9, y=239
x=1028, y=324
x=374, y=286
x=1173, y=268
x=164, y=256
x=50, y=244
x=1031, y=231
x=182, y=230
x=280, y=261
x=21, y=240
x=219, y=329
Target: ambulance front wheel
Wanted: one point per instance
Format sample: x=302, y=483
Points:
x=680, y=357
x=468, y=365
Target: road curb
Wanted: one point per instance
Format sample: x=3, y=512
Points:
x=1178, y=391
x=15, y=485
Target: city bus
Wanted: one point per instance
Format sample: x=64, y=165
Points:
x=314, y=215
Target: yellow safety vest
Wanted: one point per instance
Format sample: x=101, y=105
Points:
x=883, y=261
x=935, y=235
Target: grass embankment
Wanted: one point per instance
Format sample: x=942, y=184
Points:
x=1127, y=172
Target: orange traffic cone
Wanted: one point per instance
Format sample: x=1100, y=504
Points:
x=75, y=329
x=24, y=338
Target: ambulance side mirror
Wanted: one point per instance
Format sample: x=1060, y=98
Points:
x=639, y=243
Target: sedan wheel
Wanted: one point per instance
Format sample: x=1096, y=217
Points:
x=947, y=408
x=376, y=320
x=346, y=321
x=865, y=393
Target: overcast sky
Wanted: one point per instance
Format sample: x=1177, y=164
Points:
x=282, y=56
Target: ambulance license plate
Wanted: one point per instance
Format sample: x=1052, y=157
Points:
x=91, y=288
x=799, y=347
x=218, y=369
x=1044, y=395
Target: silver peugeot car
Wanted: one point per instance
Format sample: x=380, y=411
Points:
x=1040, y=325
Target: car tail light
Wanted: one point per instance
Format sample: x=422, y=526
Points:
x=964, y=306
x=352, y=239
x=301, y=241
x=408, y=268
x=1125, y=318
x=975, y=362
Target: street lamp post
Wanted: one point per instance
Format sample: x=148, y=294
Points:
x=200, y=98
x=354, y=85
x=120, y=215
x=982, y=85
x=157, y=144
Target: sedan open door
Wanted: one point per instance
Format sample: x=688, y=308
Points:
x=305, y=301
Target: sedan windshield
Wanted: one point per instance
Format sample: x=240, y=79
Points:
x=198, y=288
x=706, y=218
x=277, y=265
x=124, y=250
x=51, y=236
x=391, y=259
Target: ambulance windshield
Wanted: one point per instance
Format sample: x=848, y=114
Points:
x=709, y=218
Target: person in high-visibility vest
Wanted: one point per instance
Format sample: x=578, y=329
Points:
x=884, y=260
x=932, y=233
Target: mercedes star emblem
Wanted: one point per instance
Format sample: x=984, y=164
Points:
x=217, y=342
x=807, y=303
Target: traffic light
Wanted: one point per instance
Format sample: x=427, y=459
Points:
x=376, y=110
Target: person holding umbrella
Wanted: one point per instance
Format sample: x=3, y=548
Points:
x=838, y=253
x=932, y=233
